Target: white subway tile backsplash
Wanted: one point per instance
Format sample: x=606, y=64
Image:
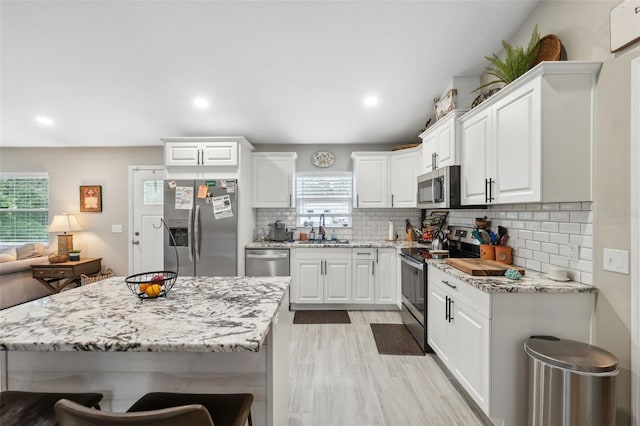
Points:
x=525, y=235
x=582, y=217
x=534, y=226
x=559, y=238
x=549, y=248
x=569, y=228
x=570, y=206
x=541, y=216
x=549, y=226
x=533, y=245
x=540, y=234
x=559, y=216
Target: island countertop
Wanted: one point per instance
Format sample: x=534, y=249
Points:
x=200, y=314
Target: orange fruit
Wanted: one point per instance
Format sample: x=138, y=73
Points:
x=143, y=287
x=153, y=290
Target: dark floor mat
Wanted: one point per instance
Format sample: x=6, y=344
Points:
x=321, y=317
x=394, y=339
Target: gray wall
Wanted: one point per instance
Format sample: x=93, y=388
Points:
x=583, y=28
x=69, y=168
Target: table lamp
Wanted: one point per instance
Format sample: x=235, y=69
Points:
x=64, y=223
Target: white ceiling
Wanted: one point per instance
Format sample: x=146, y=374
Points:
x=117, y=73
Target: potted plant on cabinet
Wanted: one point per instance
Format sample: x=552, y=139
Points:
x=74, y=255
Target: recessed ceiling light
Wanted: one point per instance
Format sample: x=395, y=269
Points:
x=371, y=101
x=201, y=102
x=45, y=121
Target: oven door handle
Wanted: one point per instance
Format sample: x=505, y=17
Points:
x=411, y=262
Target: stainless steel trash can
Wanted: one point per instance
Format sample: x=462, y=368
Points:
x=570, y=383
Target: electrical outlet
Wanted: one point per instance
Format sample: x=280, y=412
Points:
x=616, y=260
x=116, y=229
x=574, y=251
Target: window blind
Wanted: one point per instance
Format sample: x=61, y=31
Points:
x=328, y=194
x=24, y=208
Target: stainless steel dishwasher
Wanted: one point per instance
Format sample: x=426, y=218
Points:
x=266, y=262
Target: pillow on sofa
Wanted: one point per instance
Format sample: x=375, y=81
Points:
x=30, y=250
x=8, y=255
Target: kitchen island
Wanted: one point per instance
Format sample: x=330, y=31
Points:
x=209, y=335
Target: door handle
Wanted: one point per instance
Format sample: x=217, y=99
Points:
x=357, y=200
x=391, y=200
x=373, y=270
x=290, y=200
x=189, y=232
x=196, y=232
x=435, y=154
x=486, y=191
x=446, y=308
x=377, y=256
x=135, y=242
x=450, y=285
x=267, y=256
x=491, y=182
x=450, y=303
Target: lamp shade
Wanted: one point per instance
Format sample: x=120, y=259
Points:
x=64, y=223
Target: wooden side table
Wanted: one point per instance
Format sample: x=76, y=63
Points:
x=56, y=276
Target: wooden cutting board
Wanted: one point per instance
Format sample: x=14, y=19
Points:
x=480, y=267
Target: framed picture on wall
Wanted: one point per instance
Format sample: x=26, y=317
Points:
x=90, y=198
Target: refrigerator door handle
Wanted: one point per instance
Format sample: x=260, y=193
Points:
x=196, y=233
x=189, y=228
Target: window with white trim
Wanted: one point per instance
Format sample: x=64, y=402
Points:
x=24, y=208
x=324, y=193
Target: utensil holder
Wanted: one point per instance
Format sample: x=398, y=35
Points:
x=488, y=252
x=503, y=254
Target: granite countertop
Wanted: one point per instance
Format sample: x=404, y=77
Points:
x=332, y=244
x=201, y=314
x=531, y=282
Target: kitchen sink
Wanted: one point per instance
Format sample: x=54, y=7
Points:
x=322, y=242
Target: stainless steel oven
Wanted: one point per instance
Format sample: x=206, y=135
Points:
x=415, y=282
x=414, y=297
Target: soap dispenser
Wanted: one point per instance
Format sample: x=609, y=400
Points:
x=312, y=234
x=334, y=235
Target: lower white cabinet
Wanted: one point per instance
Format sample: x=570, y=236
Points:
x=459, y=334
x=321, y=275
x=479, y=337
x=344, y=276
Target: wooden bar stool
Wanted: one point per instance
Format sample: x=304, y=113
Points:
x=71, y=414
x=225, y=409
x=19, y=408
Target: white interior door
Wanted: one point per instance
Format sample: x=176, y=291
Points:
x=146, y=231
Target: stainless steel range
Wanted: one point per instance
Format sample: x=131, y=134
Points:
x=415, y=284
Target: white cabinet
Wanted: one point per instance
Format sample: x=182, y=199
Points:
x=532, y=141
x=479, y=337
x=403, y=173
x=386, y=283
x=441, y=143
x=459, y=334
x=272, y=175
x=371, y=179
x=386, y=179
x=321, y=275
x=200, y=153
x=337, y=276
x=363, y=276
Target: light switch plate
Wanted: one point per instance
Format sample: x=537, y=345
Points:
x=116, y=229
x=616, y=260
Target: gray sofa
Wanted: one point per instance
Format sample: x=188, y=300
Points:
x=17, y=284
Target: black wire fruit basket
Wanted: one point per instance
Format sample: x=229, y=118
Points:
x=151, y=285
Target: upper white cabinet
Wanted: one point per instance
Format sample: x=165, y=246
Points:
x=441, y=143
x=532, y=141
x=371, y=172
x=201, y=151
x=273, y=179
x=385, y=179
x=403, y=173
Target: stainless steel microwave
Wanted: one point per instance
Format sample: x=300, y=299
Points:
x=440, y=189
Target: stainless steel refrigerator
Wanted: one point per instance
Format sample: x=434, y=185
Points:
x=202, y=216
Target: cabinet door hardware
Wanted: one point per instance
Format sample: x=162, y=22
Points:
x=450, y=304
x=486, y=190
x=449, y=284
x=290, y=200
x=373, y=265
x=491, y=197
x=391, y=200
x=357, y=200
x=435, y=154
x=446, y=308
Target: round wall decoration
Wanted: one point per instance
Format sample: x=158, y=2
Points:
x=322, y=159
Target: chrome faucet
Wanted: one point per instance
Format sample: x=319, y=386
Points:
x=321, y=228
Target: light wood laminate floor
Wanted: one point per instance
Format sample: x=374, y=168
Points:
x=337, y=378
